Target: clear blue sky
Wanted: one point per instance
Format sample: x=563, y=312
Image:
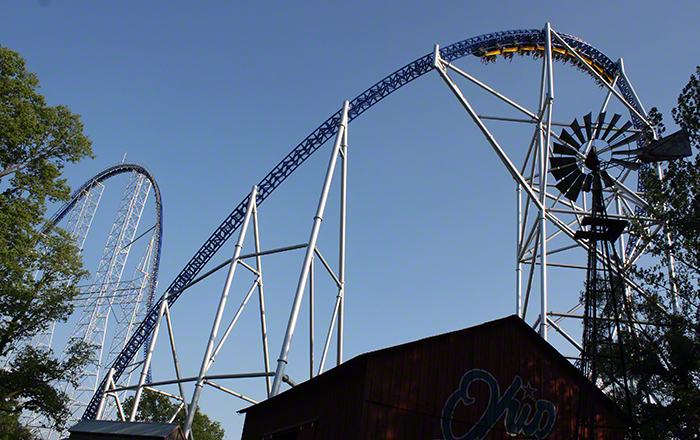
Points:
x=211, y=95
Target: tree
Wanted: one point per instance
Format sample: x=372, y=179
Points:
x=158, y=408
x=666, y=354
x=39, y=264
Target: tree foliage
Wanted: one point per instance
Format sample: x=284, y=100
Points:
x=158, y=408
x=39, y=265
x=666, y=354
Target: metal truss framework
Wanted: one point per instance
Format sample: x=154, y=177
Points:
x=91, y=327
x=544, y=204
x=543, y=207
x=78, y=225
x=127, y=301
x=216, y=343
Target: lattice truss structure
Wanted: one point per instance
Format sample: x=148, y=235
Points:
x=78, y=225
x=553, y=190
x=127, y=301
x=549, y=171
x=108, y=294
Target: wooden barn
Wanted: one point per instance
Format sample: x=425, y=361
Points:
x=498, y=380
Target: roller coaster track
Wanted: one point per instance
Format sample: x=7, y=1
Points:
x=486, y=47
x=114, y=170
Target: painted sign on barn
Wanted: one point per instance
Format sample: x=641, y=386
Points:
x=516, y=409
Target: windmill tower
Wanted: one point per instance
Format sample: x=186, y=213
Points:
x=585, y=163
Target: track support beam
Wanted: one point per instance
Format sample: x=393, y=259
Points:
x=318, y=218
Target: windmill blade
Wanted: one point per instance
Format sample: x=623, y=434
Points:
x=627, y=140
x=614, y=120
x=589, y=126
x=587, y=183
x=599, y=126
x=564, y=149
x=566, y=137
x=562, y=166
x=568, y=182
x=577, y=131
x=622, y=129
x=575, y=189
x=634, y=166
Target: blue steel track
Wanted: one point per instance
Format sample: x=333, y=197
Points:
x=483, y=45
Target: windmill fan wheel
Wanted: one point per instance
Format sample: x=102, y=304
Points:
x=578, y=166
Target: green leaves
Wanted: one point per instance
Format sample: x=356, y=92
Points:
x=29, y=382
x=158, y=408
x=39, y=267
x=666, y=355
x=36, y=140
x=38, y=274
x=686, y=114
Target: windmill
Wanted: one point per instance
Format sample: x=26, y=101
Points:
x=587, y=162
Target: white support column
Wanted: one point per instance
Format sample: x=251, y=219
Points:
x=543, y=158
x=318, y=218
x=207, y=361
x=537, y=198
x=149, y=356
x=176, y=362
x=108, y=384
x=261, y=298
x=621, y=65
x=518, y=250
x=312, y=318
x=341, y=257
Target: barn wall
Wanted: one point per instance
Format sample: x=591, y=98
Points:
x=412, y=389
x=332, y=402
x=497, y=380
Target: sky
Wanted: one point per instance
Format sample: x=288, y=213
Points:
x=210, y=96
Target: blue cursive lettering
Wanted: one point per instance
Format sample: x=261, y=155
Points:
x=517, y=413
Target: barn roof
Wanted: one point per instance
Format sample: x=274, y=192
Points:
x=513, y=321
x=359, y=362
